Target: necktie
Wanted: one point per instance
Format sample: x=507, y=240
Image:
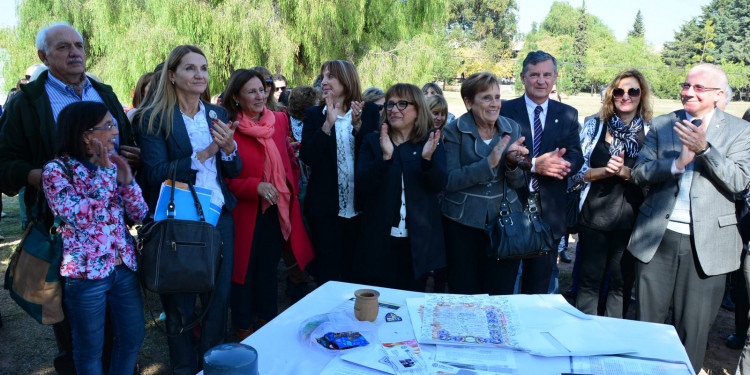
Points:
x=697, y=122
x=537, y=142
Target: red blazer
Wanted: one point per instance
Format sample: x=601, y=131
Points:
x=245, y=188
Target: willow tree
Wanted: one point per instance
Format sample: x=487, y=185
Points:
x=126, y=38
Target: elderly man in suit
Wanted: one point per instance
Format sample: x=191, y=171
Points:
x=551, y=131
x=685, y=237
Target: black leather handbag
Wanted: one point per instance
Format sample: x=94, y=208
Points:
x=519, y=235
x=179, y=256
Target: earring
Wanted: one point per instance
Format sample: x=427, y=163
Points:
x=237, y=104
x=172, y=83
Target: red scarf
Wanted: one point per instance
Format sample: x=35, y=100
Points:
x=273, y=165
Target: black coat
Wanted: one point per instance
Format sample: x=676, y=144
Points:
x=318, y=151
x=380, y=183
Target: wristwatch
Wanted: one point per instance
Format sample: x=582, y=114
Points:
x=705, y=150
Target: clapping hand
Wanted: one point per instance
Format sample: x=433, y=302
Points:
x=357, y=115
x=516, y=155
x=552, y=164
x=100, y=155
x=124, y=173
x=224, y=135
x=332, y=113
x=694, y=137
x=385, y=143
x=429, y=147
x=615, y=163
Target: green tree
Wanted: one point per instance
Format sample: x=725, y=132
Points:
x=126, y=38
x=639, y=30
x=706, y=44
x=580, y=45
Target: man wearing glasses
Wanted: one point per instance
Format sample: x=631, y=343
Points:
x=685, y=238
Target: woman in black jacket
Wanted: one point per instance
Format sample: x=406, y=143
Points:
x=331, y=136
x=401, y=171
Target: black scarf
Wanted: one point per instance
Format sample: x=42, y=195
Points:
x=624, y=136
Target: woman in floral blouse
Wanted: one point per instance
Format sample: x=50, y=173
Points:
x=92, y=190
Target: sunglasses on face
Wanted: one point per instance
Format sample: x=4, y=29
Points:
x=633, y=92
x=104, y=127
x=401, y=105
x=281, y=88
x=697, y=88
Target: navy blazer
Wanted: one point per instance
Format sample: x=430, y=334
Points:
x=158, y=152
x=318, y=151
x=380, y=183
x=560, y=131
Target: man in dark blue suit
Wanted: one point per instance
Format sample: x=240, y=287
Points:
x=551, y=131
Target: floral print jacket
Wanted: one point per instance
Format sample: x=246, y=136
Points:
x=93, y=208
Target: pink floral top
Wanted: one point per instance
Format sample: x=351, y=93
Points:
x=93, y=208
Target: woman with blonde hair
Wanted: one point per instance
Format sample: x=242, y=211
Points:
x=180, y=130
x=438, y=109
x=610, y=201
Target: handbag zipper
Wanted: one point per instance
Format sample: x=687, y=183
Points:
x=175, y=243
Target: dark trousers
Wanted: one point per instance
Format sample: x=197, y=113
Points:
x=743, y=368
x=536, y=273
x=674, y=273
x=470, y=271
x=600, y=251
x=258, y=296
x=180, y=311
x=334, y=239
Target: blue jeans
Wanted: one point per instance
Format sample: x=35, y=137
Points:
x=180, y=310
x=86, y=302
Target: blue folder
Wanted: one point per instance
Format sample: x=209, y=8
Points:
x=184, y=205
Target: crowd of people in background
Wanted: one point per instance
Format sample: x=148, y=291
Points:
x=381, y=187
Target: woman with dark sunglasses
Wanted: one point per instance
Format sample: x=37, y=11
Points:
x=610, y=142
x=331, y=136
x=401, y=171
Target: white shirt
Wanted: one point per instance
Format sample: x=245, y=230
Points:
x=530, y=108
x=345, y=162
x=200, y=137
x=680, y=218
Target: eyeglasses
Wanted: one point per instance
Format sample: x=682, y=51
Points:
x=633, y=92
x=380, y=107
x=697, y=88
x=104, y=127
x=401, y=105
x=281, y=88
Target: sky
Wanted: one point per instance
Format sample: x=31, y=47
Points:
x=660, y=17
x=618, y=15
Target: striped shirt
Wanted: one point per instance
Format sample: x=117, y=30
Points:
x=60, y=95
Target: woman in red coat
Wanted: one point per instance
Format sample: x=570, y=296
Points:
x=267, y=216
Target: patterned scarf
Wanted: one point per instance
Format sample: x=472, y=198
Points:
x=624, y=136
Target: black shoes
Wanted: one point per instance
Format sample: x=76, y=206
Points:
x=563, y=256
x=735, y=341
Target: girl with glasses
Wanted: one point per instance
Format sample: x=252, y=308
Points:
x=93, y=191
x=609, y=204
